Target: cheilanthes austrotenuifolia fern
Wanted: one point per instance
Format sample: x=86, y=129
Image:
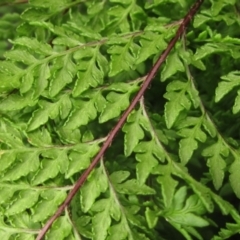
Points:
x=68, y=72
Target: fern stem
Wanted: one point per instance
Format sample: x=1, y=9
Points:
x=123, y=118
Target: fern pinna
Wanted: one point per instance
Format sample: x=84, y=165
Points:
x=68, y=73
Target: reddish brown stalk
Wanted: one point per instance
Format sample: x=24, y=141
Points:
x=123, y=118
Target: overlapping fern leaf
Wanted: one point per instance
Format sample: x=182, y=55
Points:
x=73, y=68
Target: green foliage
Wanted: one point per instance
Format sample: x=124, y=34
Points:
x=69, y=69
